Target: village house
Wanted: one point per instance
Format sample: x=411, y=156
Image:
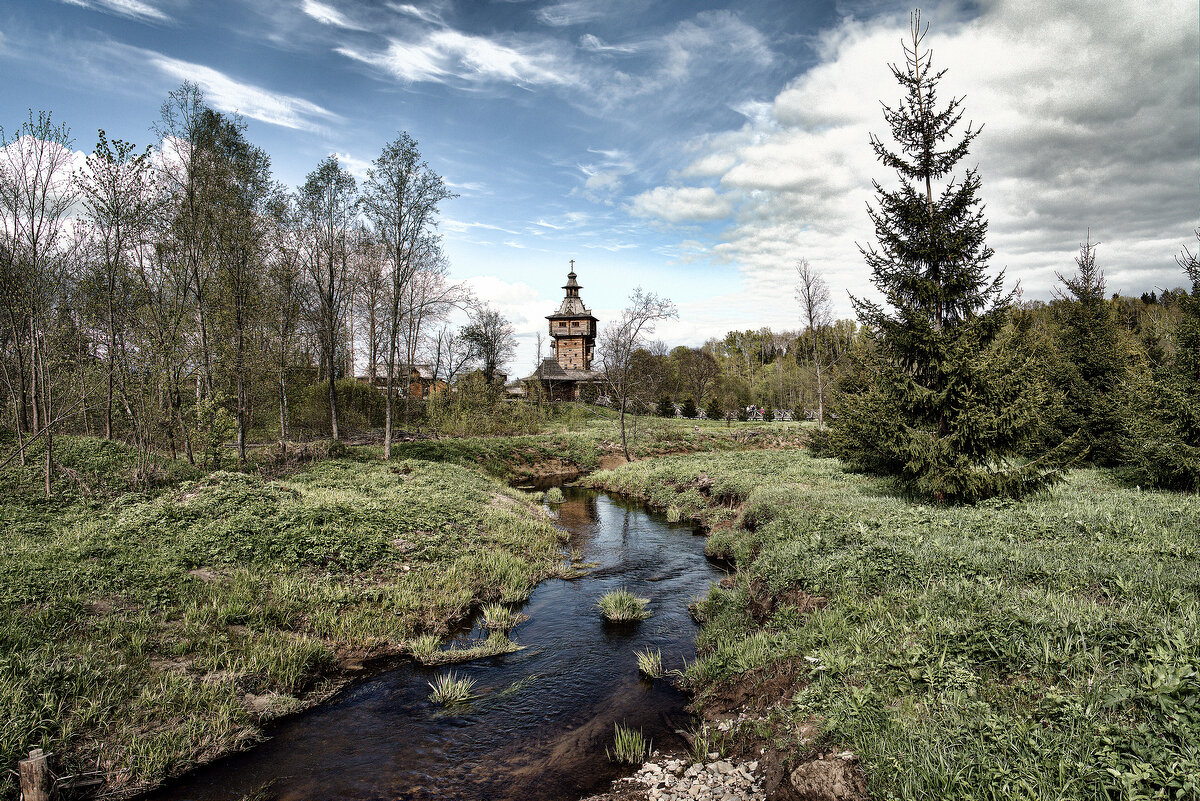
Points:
x=418, y=378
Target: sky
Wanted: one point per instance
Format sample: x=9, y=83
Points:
x=694, y=149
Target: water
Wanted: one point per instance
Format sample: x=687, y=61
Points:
x=545, y=714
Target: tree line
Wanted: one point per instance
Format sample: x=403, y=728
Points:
x=178, y=297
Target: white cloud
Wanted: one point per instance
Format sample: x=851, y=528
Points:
x=134, y=9
x=571, y=12
x=409, y=9
x=594, y=44
x=227, y=94
x=328, y=15
x=1091, y=121
x=445, y=54
x=682, y=204
x=459, y=227
x=355, y=166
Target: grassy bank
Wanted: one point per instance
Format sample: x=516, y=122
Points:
x=577, y=443
x=1048, y=649
x=143, y=630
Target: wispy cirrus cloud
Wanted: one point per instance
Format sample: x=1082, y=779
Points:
x=446, y=55
x=227, y=94
x=571, y=12
x=328, y=15
x=133, y=9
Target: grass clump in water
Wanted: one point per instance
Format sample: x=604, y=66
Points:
x=555, y=495
x=424, y=648
x=622, y=606
x=650, y=663
x=448, y=689
x=498, y=617
x=629, y=745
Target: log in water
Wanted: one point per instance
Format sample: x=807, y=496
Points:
x=544, y=715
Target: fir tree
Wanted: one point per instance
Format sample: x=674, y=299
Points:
x=714, y=410
x=1091, y=364
x=665, y=407
x=688, y=408
x=939, y=406
x=1164, y=448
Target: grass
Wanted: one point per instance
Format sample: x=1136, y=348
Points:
x=629, y=745
x=554, y=495
x=650, y=663
x=449, y=689
x=1046, y=649
x=622, y=606
x=498, y=617
x=577, y=445
x=143, y=631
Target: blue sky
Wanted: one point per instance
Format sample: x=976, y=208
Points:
x=694, y=148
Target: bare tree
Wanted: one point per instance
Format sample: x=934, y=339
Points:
x=328, y=203
x=451, y=354
x=429, y=297
x=402, y=196
x=622, y=338
x=813, y=294
x=36, y=190
x=120, y=208
x=285, y=291
x=491, y=338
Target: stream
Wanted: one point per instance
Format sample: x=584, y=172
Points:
x=544, y=715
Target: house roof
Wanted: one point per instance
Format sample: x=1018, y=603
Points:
x=551, y=370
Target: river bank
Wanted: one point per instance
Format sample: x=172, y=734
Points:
x=1040, y=649
x=150, y=629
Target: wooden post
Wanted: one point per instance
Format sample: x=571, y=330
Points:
x=36, y=783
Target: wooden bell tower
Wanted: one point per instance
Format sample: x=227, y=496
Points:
x=573, y=328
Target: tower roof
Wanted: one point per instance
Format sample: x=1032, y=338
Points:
x=572, y=304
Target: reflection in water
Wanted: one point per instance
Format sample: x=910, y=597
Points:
x=545, y=714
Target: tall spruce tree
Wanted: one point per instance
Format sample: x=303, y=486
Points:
x=1092, y=363
x=1163, y=449
x=943, y=406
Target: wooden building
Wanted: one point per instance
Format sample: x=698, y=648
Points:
x=418, y=378
x=573, y=330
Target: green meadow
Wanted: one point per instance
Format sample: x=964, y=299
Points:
x=1042, y=649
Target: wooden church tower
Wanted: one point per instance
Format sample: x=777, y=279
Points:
x=573, y=328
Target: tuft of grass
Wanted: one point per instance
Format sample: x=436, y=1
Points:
x=705, y=742
x=449, y=689
x=650, y=663
x=554, y=495
x=425, y=647
x=496, y=644
x=622, y=606
x=629, y=745
x=498, y=617
x=674, y=514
